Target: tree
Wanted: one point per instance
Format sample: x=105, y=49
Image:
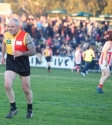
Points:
x=108, y=8
x=39, y=7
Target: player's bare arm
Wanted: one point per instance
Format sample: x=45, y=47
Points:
x=3, y=53
x=31, y=49
x=3, y=49
x=107, y=47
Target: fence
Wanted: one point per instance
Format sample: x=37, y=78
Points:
x=61, y=63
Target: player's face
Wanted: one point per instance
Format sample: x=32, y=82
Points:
x=13, y=28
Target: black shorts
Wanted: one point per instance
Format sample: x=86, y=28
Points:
x=48, y=58
x=77, y=64
x=19, y=65
x=27, y=73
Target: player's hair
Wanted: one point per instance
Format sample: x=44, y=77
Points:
x=16, y=21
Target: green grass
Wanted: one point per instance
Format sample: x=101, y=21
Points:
x=60, y=98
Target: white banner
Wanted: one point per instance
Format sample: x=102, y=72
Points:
x=56, y=62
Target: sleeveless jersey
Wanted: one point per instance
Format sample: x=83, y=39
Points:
x=109, y=54
x=16, y=43
x=48, y=52
x=77, y=57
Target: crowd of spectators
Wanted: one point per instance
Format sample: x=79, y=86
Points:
x=62, y=34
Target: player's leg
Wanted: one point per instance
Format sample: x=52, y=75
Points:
x=48, y=63
x=29, y=95
x=49, y=66
x=74, y=67
x=9, y=79
x=78, y=68
x=87, y=67
x=84, y=69
x=105, y=75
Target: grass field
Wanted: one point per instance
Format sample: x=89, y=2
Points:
x=60, y=98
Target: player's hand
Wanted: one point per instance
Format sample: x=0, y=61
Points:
x=17, y=53
x=2, y=61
